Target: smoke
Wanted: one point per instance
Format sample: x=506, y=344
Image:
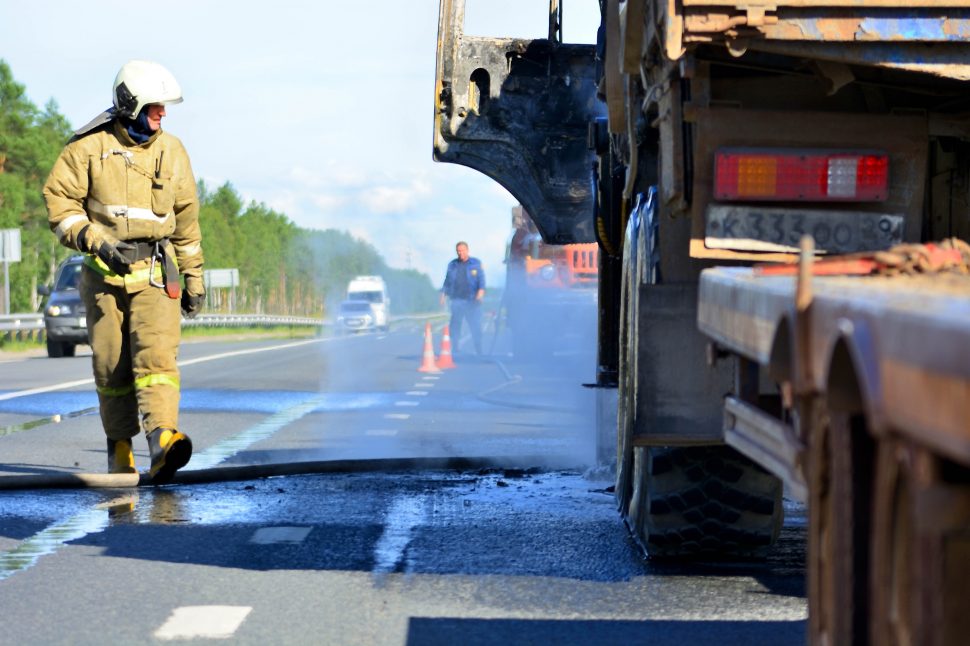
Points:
x=521, y=401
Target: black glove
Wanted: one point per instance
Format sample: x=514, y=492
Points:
x=113, y=255
x=193, y=297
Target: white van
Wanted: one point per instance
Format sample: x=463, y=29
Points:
x=373, y=290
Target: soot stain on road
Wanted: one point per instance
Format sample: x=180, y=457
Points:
x=516, y=522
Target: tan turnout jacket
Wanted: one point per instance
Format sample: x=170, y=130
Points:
x=133, y=191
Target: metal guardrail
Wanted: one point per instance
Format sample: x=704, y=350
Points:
x=31, y=325
x=251, y=320
x=14, y=322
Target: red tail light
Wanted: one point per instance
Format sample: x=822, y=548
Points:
x=800, y=175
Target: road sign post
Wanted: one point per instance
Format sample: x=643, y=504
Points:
x=9, y=252
x=222, y=278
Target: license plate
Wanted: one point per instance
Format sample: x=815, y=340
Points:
x=747, y=228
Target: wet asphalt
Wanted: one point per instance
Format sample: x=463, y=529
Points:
x=484, y=555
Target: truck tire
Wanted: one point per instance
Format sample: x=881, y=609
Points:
x=706, y=501
x=840, y=458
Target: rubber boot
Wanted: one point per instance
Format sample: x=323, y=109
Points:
x=121, y=459
x=170, y=452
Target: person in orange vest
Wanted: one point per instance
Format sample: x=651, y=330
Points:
x=122, y=192
x=464, y=288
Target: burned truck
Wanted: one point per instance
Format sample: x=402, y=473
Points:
x=781, y=196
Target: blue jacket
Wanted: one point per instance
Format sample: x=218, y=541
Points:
x=473, y=271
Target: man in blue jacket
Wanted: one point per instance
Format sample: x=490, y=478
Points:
x=465, y=288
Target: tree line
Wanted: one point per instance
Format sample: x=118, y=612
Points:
x=283, y=269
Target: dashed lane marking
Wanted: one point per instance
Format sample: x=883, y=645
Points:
x=421, y=384
x=405, y=403
x=276, y=535
x=396, y=416
x=416, y=393
x=381, y=432
x=203, y=622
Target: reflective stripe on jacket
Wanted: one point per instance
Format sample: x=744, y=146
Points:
x=134, y=191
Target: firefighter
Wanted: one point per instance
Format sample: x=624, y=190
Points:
x=464, y=287
x=122, y=192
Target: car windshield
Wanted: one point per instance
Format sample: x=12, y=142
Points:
x=373, y=297
x=355, y=307
x=68, y=277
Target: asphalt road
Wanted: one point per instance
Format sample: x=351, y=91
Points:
x=524, y=548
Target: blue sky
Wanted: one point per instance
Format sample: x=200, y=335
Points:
x=323, y=111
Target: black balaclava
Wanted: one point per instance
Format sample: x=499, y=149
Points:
x=138, y=128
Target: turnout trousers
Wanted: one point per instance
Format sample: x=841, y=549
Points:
x=134, y=338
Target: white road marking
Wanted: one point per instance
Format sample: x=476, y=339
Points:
x=51, y=539
x=405, y=513
x=396, y=416
x=406, y=403
x=421, y=384
x=94, y=520
x=235, y=443
x=46, y=389
x=212, y=357
x=416, y=393
x=203, y=622
x=239, y=353
x=431, y=378
x=274, y=535
x=381, y=432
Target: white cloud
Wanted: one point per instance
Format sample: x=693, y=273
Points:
x=328, y=201
x=394, y=199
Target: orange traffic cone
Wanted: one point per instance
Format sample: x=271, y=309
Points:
x=444, y=359
x=428, y=364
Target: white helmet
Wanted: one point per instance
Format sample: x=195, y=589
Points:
x=140, y=83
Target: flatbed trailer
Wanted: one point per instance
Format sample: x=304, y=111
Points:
x=697, y=137
x=877, y=372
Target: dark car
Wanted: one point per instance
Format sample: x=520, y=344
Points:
x=64, y=313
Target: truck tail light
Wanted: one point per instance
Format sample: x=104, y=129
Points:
x=800, y=175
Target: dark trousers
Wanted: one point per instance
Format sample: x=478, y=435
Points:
x=469, y=310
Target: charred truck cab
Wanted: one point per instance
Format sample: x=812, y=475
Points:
x=695, y=139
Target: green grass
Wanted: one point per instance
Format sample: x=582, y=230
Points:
x=21, y=345
x=272, y=332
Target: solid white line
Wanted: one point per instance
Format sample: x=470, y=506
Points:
x=212, y=357
x=238, y=353
x=206, y=622
x=273, y=535
x=46, y=389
